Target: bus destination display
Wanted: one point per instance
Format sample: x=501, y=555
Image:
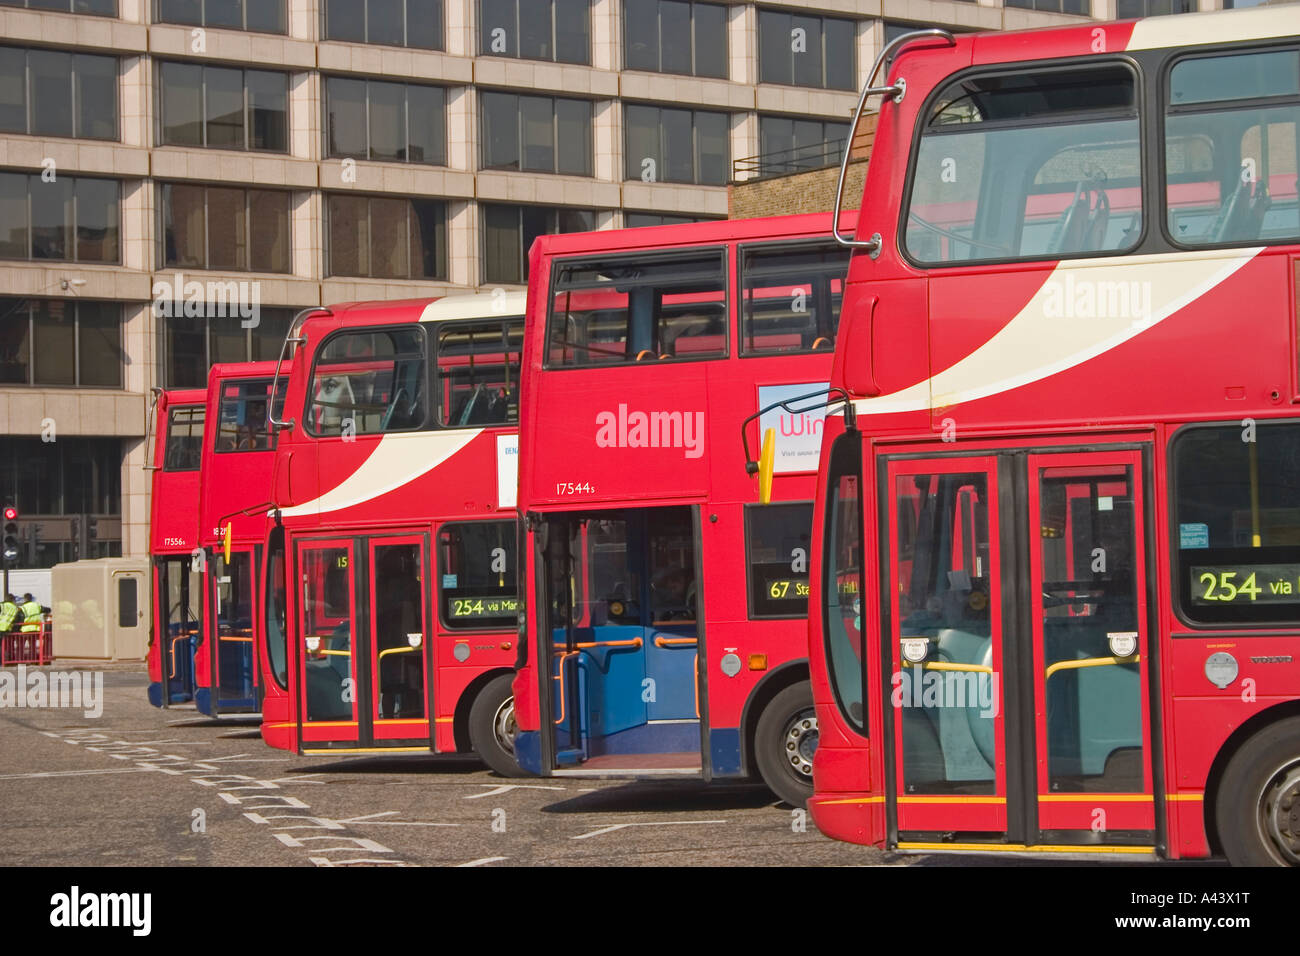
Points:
x=481, y=607
x=787, y=589
x=1238, y=584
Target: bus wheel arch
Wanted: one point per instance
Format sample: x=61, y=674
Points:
x=1226, y=772
x=476, y=712
x=784, y=686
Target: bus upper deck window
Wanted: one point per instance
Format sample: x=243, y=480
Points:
x=1232, y=133
x=367, y=382
x=1032, y=165
x=790, y=297
x=637, y=309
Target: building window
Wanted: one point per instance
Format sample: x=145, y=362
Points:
x=223, y=108
x=98, y=8
x=635, y=220
x=412, y=23
x=60, y=343
x=789, y=145
x=796, y=50
x=509, y=231
x=385, y=122
x=223, y=228
x=387, y=237
x=256, y=16
x=72, y=219
x=677, y=146
x=670, y=36
x=558, y=30
x=77, y=477
x=52, y=93
x=1081, y=7
x=539, y=134
x=198, y=335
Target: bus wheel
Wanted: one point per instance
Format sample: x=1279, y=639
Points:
x=1258, y=805
x=492, y=726
x=784, y=742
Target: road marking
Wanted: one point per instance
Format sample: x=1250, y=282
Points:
x=370, y=818
x=506, y=788
x=661, y=823
x=243, y=758
x=485, y=861
x=72, y=773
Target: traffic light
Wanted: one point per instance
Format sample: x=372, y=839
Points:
x=11, y=548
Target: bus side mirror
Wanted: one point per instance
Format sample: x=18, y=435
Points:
x=855, y=361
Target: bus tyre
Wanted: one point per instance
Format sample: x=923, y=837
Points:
x=1258, y=805
x=784, y=742
x=492, y=726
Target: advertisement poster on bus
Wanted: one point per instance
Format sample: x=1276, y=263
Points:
x=508, y=470
x=798, y=434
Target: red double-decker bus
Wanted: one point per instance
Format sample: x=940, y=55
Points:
x=173, y=545
x=665, y=609
x=390, y=608
x=235, y=491
x=1056, y=585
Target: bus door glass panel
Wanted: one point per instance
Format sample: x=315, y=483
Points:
x=233, y=651
x=327, y=615
x=946, y=690
x=1090, y=642
x=397, y=589
x=562, y=545
x=609, y=634
x=181, y=612
x=672, y=640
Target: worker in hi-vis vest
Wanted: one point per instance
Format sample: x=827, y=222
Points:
x=32, y=612
x=8, y=613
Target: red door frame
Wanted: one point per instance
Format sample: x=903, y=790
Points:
x=324, y=730
x=1056, y=814
x=400, y=728
x=1091, y=812
x=930, y=812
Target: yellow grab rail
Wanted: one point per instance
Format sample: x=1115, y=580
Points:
x=1089, y=662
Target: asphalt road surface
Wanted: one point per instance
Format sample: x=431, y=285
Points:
x=138, y=786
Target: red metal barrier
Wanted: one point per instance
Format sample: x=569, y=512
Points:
x=27, y=647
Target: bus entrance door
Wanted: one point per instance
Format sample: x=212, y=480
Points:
x=177, y=624
x=363, y=644
x=233, y=683
x=623, y=641
x=1019, y=638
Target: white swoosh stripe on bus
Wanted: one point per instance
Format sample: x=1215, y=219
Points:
x=1198, y=29
x=1034, y=345
x=397, y=460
